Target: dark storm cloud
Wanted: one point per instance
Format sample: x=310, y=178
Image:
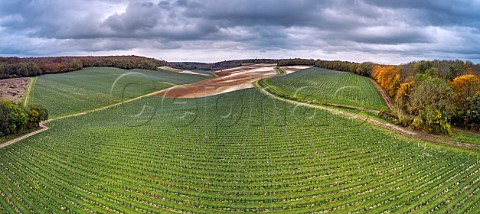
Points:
x=371, y=27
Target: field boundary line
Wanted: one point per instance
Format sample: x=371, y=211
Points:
x=10, y=142
x=105, y=107
x=43, y=126
x=427, y=137
x=384, y=95
x=369, y=110
x=27, y=94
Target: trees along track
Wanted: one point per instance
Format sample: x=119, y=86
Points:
x=423, y=136
x=383, y=94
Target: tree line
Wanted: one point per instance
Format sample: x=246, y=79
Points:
x=23, y=67
x=363, y=69
x=220, y=65
x=430, y=96
x=15, y=118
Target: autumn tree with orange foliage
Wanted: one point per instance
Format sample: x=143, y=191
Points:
x=425, y=92
x=403, y=93
x=465, y=86
x=467, y=98
x=388, y=76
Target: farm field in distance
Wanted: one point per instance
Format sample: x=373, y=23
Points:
x=92, y=88
x=328, y=86
x=241, y=151
x=227, y=80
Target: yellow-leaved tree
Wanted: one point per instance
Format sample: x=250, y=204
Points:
x=388, y=76
x=465, y=86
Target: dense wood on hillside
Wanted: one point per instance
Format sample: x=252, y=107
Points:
x=296, y=61
x=220, y=65
x=363, y=69
x=22, y=67
x=432, y=95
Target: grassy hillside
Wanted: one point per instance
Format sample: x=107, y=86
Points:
x=91, y=88
x=237, y=152
x=329, y=86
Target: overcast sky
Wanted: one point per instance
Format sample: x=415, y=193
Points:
x=384, y=31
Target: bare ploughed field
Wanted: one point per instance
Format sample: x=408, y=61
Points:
x=291, y=69
x=228, y=80
x=166, y=68
x=13, y=89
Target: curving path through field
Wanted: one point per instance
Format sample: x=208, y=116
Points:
x=382, y=93
x=43, y=127
x=423, y=136
x=10, y=142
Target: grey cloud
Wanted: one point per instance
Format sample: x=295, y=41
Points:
x=433, y=12
x=272, y=26
x=268, y=12
x=162, y=20
x=139, y=16
x=389, y=36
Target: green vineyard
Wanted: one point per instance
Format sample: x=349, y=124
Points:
x=239, y=152
x=242, y=107
x=328, y=86
x=91, y=88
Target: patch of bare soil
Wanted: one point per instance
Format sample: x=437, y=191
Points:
x=13, y=89
x=292, y=69
x=166, y=68
x=228, y=80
